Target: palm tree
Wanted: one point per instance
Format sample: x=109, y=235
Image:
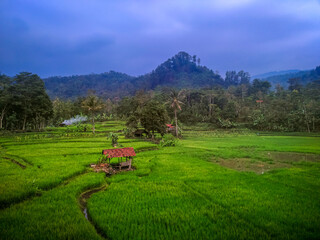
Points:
x=175, y=100
x=211, y=95
x=92, y=104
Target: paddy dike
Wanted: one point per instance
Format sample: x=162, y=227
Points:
x=15, y=162
x=269, y=161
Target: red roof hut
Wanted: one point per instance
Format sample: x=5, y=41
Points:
x=119, y=153
x=170, y=127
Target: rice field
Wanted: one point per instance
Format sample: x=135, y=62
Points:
x=213, y=185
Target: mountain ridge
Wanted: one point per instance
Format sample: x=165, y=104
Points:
x=180, y=71
x=275, y=73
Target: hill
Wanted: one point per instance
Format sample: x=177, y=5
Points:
x=305, y=77
x=103, y=84
x=180, y=71
x=275, y=73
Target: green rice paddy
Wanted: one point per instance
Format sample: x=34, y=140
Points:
x=213, y=185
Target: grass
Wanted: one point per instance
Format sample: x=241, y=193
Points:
x=175, y=192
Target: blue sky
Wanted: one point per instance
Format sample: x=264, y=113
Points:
x=93, y=36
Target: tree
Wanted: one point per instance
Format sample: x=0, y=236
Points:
x=211, y=95
x=244, y=77
x=5, y=96
x=42, y=110
x=30, y=101
x=92, y=105
x=175, y=101
x=154, y=118
x=294, y=84
x=260, y=86
x=114, y=139
x=231, y=78
x=62, y=110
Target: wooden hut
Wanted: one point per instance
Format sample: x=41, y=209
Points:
x=170, y=128
x=140, y=132
x=120, y=153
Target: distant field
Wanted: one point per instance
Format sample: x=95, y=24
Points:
x=213, y=185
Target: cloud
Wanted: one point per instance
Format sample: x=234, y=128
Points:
x=73, y=37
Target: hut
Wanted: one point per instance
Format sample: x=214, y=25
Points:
x=170, y=128
x=140, y=132
x=120, y=153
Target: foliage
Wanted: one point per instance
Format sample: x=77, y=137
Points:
x=24, y=103
x=92, y=105
x=63, y=110
x=109, y=84
x=102, y=159
x=305, y=77
x=82, y=127
x=226, y=123
x=114, y=139
x=168, y=140
x=154, y=118
x=175, y=101
x=173, y=193
x=128, y=132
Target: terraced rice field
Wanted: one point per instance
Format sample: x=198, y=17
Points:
x=213, y=185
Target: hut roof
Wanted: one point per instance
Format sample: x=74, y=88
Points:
x=119, y=152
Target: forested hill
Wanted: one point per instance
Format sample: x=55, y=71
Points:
x=104, y=84
x=304, y=77
x=180, y=71
x=275, y=73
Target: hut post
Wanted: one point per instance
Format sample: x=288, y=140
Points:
x=130, y=160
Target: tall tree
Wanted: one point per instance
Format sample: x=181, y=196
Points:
x=92, y=105
x=231, y=78
x=260, y=86
x=5, y=96
x=175, y=101
x=154, y=117
x=31, y=99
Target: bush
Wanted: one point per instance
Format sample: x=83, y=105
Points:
x=128, y=132
x=168, y=140
x=114, y=139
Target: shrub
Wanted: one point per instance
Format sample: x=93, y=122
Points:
x=168, y=140
x=114, y=139
x=128, y=132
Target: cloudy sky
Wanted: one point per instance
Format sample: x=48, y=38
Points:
x=66, y=37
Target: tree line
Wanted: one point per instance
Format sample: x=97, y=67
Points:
x=250, y=105
x=25, y=105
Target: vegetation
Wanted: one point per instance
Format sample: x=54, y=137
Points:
x=92, y=105
x=252, y=106
x=114, y=139
x=305, y=77
x=205, y=97
x=105, y=85
x=175, y=103
x=154, y=118
x=181, y=192
x=182, y=71
x=246, y=167
x=23, y=102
